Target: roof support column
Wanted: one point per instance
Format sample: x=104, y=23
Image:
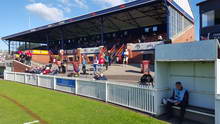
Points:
x=47, y=37
x=62, y=39
x=167, y=19
x=25, y=45
x=9, y=47
x=102, y=30
x=29, y=45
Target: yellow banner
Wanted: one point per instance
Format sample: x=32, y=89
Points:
x=40, y=52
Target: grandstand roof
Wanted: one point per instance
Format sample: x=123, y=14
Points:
x=131, y=15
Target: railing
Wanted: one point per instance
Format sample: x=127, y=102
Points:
x=128, y=95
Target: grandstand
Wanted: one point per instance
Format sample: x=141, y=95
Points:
x=133, y=22
x=137, y=26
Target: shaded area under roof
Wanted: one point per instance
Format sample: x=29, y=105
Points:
x=131, y=15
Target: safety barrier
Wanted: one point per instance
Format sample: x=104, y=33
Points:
x=128, y=95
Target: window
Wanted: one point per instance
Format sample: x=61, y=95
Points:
x=154, y=28
x=217, y=17
x=208, y=18
x=146, y=30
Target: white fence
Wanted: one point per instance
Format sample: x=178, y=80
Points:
x=131, y=96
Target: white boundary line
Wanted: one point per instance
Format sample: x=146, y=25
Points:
x=33, y=122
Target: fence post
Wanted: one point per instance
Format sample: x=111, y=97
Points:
x=76, y=86
x=5, y=74
x=106, y=91
x=38, y=80
x=25, y=78
x=14, y=76
x=54, y=82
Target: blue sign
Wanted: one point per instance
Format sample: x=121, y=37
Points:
x=66, y=82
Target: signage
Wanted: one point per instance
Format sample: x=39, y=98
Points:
x=214, y=36
x=40, y=52
x=144, y=46
x=93, y=50
x=65, y=82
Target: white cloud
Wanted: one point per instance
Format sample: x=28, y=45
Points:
x=81, y=3
x=46, y=12
x=64, y=1
x=110, y=3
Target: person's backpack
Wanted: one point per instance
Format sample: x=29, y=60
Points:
x=146, y=79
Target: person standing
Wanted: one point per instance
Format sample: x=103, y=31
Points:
x=76, y=67
x=95, y=64
x=101, y=63
x=107, y=58
x=125, y=56
x=84, y=62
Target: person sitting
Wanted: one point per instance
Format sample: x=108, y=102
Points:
x=100, y=77
x=146, y=79
x=179, y=98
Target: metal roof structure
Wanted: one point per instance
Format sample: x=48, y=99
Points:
x=131, y=15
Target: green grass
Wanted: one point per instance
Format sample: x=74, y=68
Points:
x=60, y=108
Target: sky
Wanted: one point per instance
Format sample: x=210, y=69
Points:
x=21, y=15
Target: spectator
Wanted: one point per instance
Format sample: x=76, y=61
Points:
x=125, y=56
x=100, y=77
x=179, y=98
x=107, y=61
x=101, y=63
x=95, y=64
x=59, y=65
x=84, y=62
x=76, y=67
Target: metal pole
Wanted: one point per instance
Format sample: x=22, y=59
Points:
x=47, y=37
x=168, y=20
x=29, y=45
x=62, y=40
x=25, y=45
x=9, y=47
x=102, y=30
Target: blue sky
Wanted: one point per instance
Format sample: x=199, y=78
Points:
x=15, y=16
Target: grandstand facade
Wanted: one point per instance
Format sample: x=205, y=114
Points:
x=140, y=21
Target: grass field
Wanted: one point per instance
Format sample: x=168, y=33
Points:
x=23, y=103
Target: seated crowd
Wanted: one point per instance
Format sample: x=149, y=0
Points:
x=24, y=57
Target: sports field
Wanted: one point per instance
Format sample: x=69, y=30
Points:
x=23, y=103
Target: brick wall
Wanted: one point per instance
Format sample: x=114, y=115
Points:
x=19, y=67
x=186, y=36
x=136, y=58
x=42, y=59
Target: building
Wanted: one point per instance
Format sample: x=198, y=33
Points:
x=209, y=19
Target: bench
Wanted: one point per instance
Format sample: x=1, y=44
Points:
x=198, y=110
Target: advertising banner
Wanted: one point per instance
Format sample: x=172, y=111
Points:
x=65, y=82
x=93, y=50
x=144, y=46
